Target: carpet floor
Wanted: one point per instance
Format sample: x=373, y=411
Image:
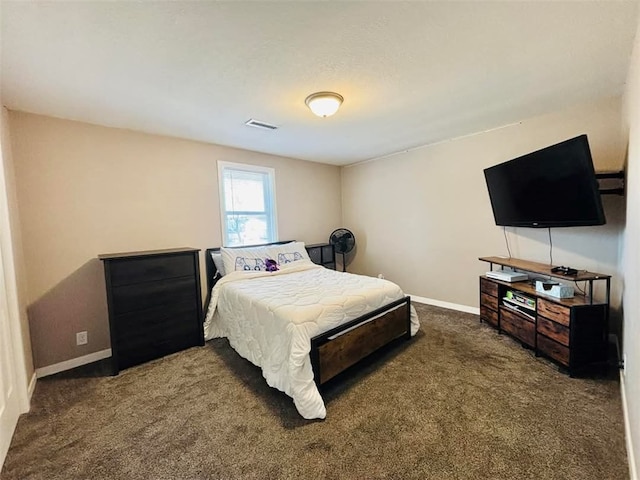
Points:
x=458, y=401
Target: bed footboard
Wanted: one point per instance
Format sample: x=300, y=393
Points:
x=342, y=347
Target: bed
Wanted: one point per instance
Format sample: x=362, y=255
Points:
x=302, y=324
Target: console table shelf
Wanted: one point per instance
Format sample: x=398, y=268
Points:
x=545, y=270
x=570, y=331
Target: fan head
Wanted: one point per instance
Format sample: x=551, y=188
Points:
x=343, y=240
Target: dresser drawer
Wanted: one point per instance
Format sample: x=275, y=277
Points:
x=165, y=330
x=143, y=322
x=127, y=271
x=512, y=323
x=553, y=330
x=553, y=349
x=487, y=286
x=135, y=354
x=553, y=311
x=132, y=298
x=489, y=301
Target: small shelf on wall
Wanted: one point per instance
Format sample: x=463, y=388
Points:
x=611, y=183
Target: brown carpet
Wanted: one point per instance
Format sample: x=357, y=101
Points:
x=457, y=402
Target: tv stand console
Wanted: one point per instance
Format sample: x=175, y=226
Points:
x=570, y=331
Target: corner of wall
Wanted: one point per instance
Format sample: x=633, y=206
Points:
x=12, y=258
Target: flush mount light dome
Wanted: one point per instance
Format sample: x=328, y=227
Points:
x=324, y=104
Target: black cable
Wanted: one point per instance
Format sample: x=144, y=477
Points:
x=504, y=230
x=583, y=292
x=550, y=248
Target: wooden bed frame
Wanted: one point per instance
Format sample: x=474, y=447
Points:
x=338, y=349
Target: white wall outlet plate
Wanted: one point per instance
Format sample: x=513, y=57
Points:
x=81, y=338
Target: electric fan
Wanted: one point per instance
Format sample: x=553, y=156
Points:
x=343, y=242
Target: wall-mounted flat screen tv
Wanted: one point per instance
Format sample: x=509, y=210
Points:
x=552, y=187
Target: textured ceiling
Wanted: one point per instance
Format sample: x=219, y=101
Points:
x=412, y=73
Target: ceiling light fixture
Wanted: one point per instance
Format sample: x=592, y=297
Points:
x=324, y=104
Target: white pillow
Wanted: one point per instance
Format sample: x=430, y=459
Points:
x=244, y=259
x=217, y=260
x=289, y=252
x=253, y=258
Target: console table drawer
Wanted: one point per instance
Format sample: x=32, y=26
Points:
x=488, y=315
x=555, y=312
x=517, y=326
x=558, y=352
x=489, y=287
x=553, y=330
x=489, y=301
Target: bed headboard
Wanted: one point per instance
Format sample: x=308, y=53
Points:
x=212, y=271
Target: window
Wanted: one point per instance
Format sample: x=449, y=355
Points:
x=247, y=204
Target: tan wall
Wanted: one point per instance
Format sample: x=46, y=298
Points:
x=84, y=190
x=422, y=218
x=631, y=257
x=16, y=241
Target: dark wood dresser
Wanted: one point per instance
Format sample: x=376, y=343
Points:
x=155, y=305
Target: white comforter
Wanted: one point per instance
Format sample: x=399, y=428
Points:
x=270, y=318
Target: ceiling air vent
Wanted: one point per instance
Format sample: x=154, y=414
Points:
x=258, y=124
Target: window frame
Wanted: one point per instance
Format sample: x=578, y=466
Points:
x=269, y=199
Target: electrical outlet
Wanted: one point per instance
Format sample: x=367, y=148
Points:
x=380, y=275
x=81, y=338
x=624, y=362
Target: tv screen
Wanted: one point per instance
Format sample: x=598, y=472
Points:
x=552, y=187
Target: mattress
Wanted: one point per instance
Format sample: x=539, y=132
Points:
x=269, y=318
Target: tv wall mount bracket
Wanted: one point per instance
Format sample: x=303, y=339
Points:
x=611, y=183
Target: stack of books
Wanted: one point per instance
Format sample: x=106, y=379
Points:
x=520, y=303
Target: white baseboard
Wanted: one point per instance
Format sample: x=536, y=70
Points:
x=450, y=306
x=633, y=471
x=73, y=363
x=32, y=386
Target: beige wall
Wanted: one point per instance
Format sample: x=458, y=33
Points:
x=423, y=217
x=84, y=190
x=631, y=257
x=16, y=242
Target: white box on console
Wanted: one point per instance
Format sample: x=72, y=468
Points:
x=507, y=276
x=554, y=289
